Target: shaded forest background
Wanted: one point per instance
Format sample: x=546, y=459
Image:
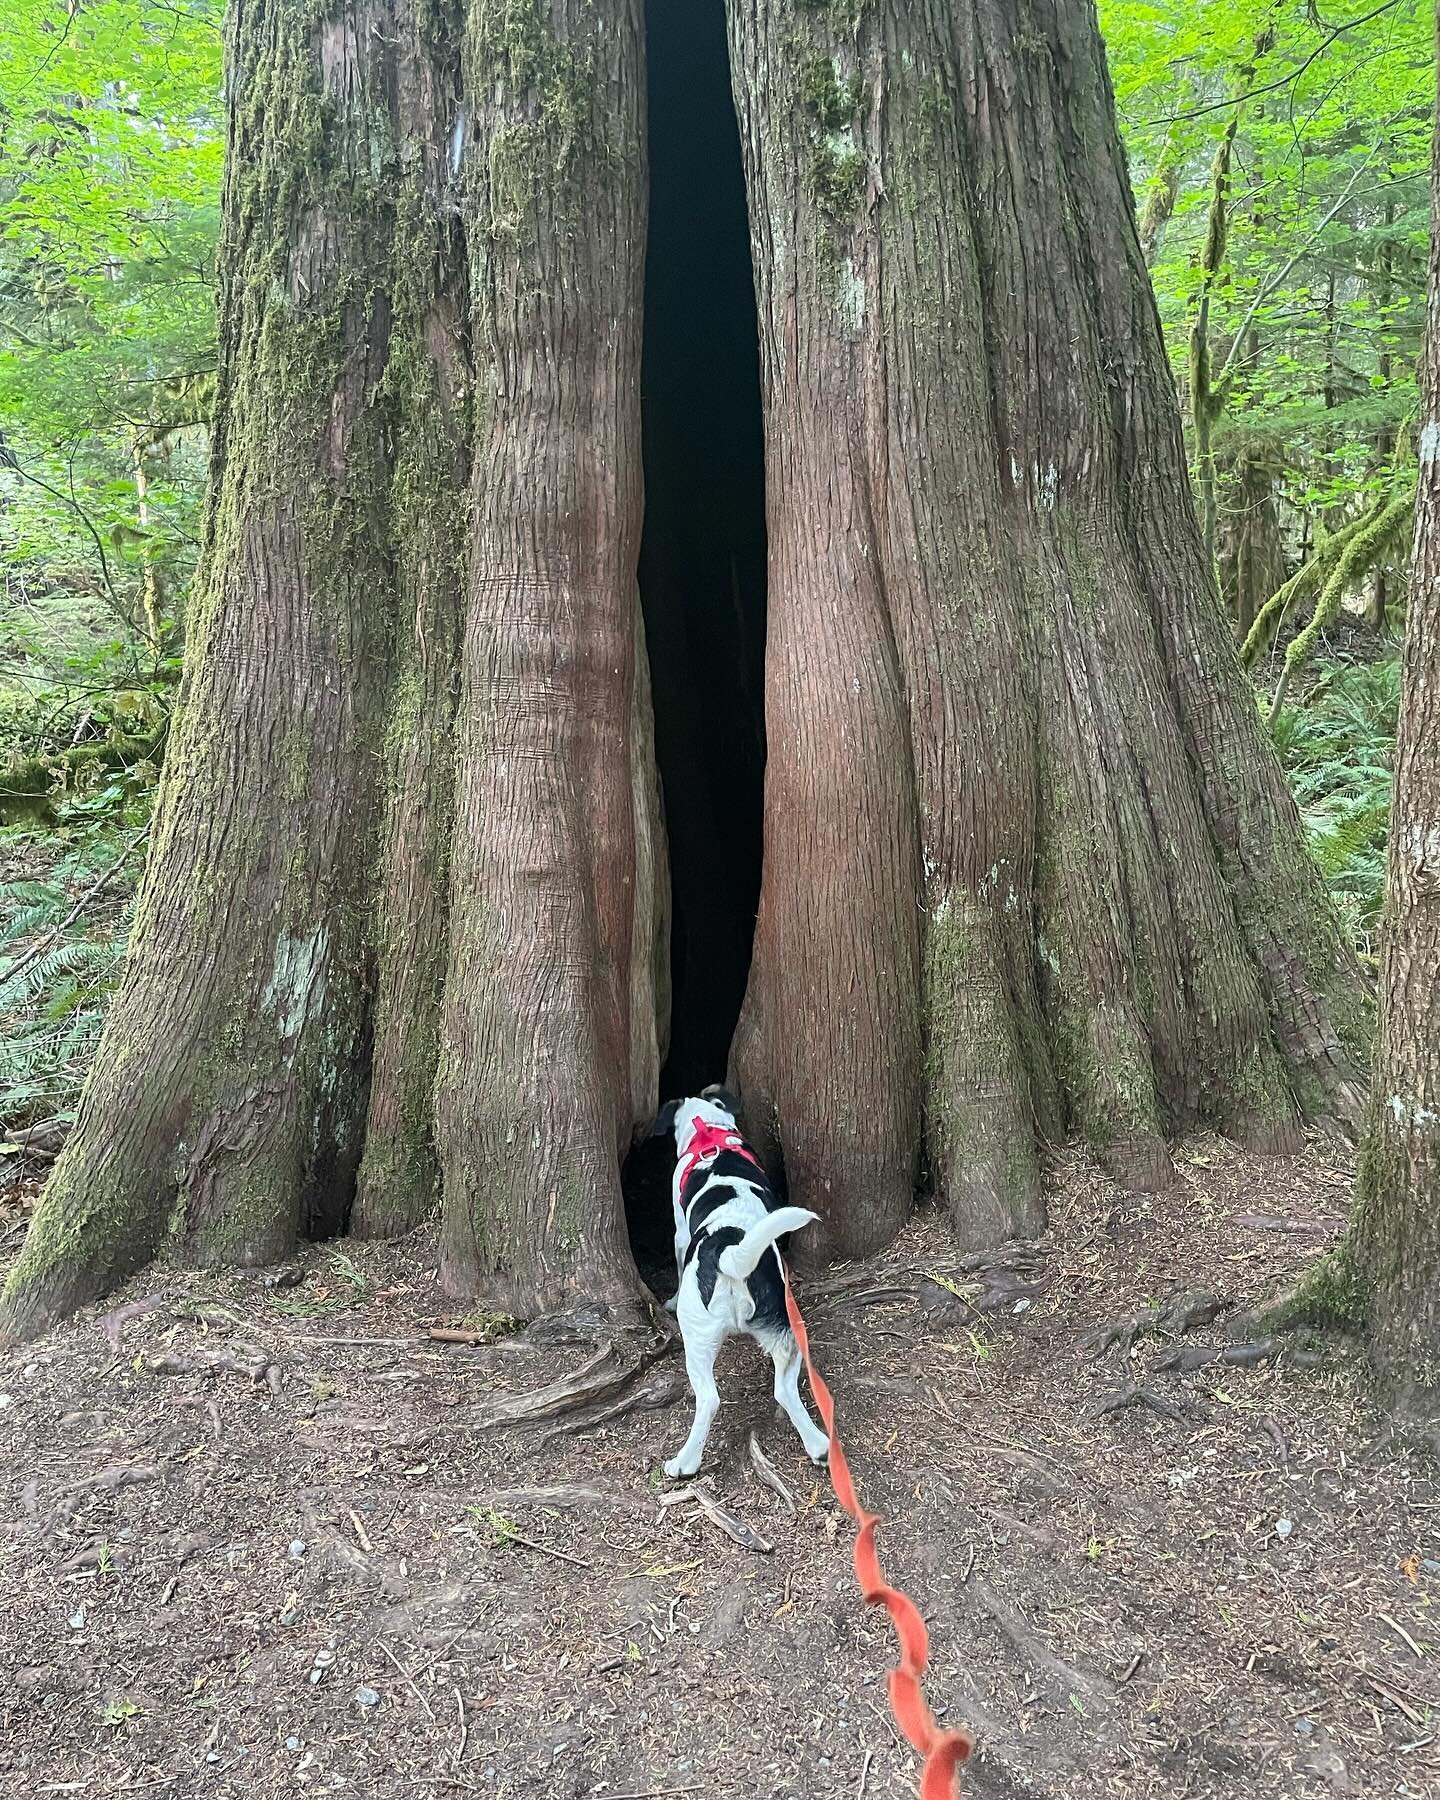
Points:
x=1279, y=157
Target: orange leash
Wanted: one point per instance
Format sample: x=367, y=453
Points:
x=942, y=1750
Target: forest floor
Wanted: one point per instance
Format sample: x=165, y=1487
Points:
x=260, y=1540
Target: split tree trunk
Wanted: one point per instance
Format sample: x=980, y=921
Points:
x=1029, y=861
x=1394, y=1245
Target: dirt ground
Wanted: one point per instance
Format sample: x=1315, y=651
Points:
x=263, y=1540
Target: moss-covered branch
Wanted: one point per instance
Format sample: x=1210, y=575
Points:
x=1343, y=560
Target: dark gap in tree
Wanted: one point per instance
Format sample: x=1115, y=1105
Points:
x=702, y=558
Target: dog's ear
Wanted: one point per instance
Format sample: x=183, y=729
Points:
x=723, y=1098
x=665, y=1119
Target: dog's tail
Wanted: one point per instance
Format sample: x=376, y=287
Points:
x=740, y=1260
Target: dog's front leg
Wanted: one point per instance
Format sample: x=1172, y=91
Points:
x=700, y=1367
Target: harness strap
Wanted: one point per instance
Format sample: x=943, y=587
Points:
x=706, y=1143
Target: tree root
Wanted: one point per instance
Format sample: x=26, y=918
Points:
x=665, y=1390
x=244, y=1360
x=1132, y=1394
x=107, y=1481
x=1179, y=1314
x=1071, y=1680
x=602, y=1377
x=113, y=1324
x=1329, y=1296
x=1185, y=1358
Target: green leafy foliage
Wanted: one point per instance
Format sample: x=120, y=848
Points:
x=110, y=152
x=52, y=1004
x=1317, y=304
x=1337, y=750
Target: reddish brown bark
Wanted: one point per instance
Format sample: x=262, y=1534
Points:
x=1028, y=859
x=534, y=1099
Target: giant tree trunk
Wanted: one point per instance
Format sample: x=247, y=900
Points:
x=325, y=975
x=1395, y=1240
x=1029, y=863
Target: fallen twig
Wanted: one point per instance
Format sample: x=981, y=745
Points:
x=1387, y=1691
x=695, y=1787
x=730, y=1523
x=770, y=1475
x=1273, y=1222
x=1400, y=1631
x=409, y=1679
x=511, y=1536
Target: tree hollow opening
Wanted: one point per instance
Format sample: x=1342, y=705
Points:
x=702, y=555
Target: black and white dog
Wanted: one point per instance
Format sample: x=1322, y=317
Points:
x=727, y=1226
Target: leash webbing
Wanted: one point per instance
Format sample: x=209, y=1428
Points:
x=943, y=1750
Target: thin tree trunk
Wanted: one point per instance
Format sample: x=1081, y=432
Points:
x=1163, y=189
x=1395, y=1240
x=1377, y=599
x=1028, y=858
x=150, y=596
x=1252, y=552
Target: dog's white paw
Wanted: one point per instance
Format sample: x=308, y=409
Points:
x=820, y=1453
x=672, y=1303
x=677, y=1469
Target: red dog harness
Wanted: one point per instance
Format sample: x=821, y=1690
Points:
x=707, y=1142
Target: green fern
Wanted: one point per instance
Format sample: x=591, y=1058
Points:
x=1336, y=749
x=52, y=1008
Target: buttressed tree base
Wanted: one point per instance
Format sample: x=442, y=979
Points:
x=1029, y=866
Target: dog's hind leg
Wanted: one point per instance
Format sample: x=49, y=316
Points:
x=786, y=1354
x=682, y=1244
x=700, y=1367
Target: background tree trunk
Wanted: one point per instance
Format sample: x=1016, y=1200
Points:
x=1251, y=555
x=1395, y=1240
x=1029, y=860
